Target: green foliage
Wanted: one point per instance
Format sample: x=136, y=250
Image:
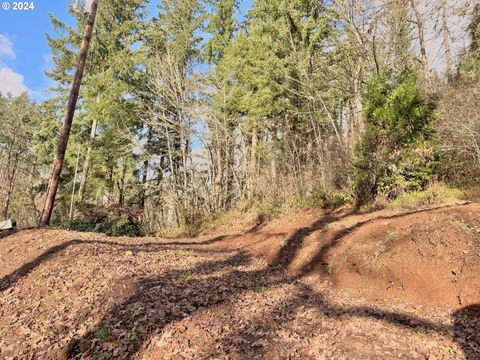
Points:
x=331, y=199
x=81, y=225
x=118, y=226
x=183, y=252
x=395, y=154
x=112, y=222
x=261, y=288
x=111, y=86
x=278, y=111
x=265, y=66
x=222, y=26
x=22, y=156
x=178, y=23
x=435, y=194
x=102, y=333
x=132, y=335
x=185, y=277
x=339, y=198
x=268, y=208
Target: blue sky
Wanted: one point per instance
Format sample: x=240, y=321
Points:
x=24, y=53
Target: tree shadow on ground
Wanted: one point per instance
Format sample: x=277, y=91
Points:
x=286, y=254
x=294, y=243
x=168, y=299
x=159, y=301
x=466, y=328
x=8, y=280
x=172, y=297
x=6, y=233
x=24, y=270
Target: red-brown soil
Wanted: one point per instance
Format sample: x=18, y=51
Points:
x=335, y=285
x=428, y=256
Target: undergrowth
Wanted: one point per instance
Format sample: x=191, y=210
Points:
x=435, y=194
x=268, y=209
x=112, y=225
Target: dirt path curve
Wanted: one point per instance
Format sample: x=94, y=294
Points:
x=85, y=296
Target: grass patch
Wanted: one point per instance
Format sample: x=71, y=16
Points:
x=261, y=288
x=182, y=252
x=471, y=193
x=132, y=335
x=435, y=194
x=186, y=277
x=460, y=225
x=392, y=236
x=449, y=350
x=203, y=225
x=374, y=259
x=102, y=333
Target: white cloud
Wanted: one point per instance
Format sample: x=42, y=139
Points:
x=6, y=47
x=11, y=82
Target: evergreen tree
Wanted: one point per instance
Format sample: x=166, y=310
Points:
x=111, y=86
x=222, y=26
x=394, y=154
x=470, y=64
x=274, y=72
x=19, y=121
x=175, y=50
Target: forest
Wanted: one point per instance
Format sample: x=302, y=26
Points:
x=197, y=109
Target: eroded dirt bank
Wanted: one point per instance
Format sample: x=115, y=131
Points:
x=358, y=286
x=427, y=256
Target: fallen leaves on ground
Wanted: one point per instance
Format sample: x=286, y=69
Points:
x=84, y=296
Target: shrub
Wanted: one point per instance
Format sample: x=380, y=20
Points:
x=395, y=153
x=434, y=194
x=114, y=225
x=332, y=199
x=112, y=221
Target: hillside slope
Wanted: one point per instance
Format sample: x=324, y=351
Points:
x=427, y=256
x=357, y=286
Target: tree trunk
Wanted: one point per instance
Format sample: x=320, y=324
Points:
x=31, y=182
x=229, y=169
x=253, y=162
x=421, y=39
x=86, y=163
x=145, y=170
x=10, y=188
x=111, y=183
x=446, y=39
x=67, y=124
x=309, y=166
x=72, y=197
x=217, y=166
x=121, y=186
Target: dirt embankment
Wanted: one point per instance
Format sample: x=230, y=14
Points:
x=427, y=256
x=84, y=295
